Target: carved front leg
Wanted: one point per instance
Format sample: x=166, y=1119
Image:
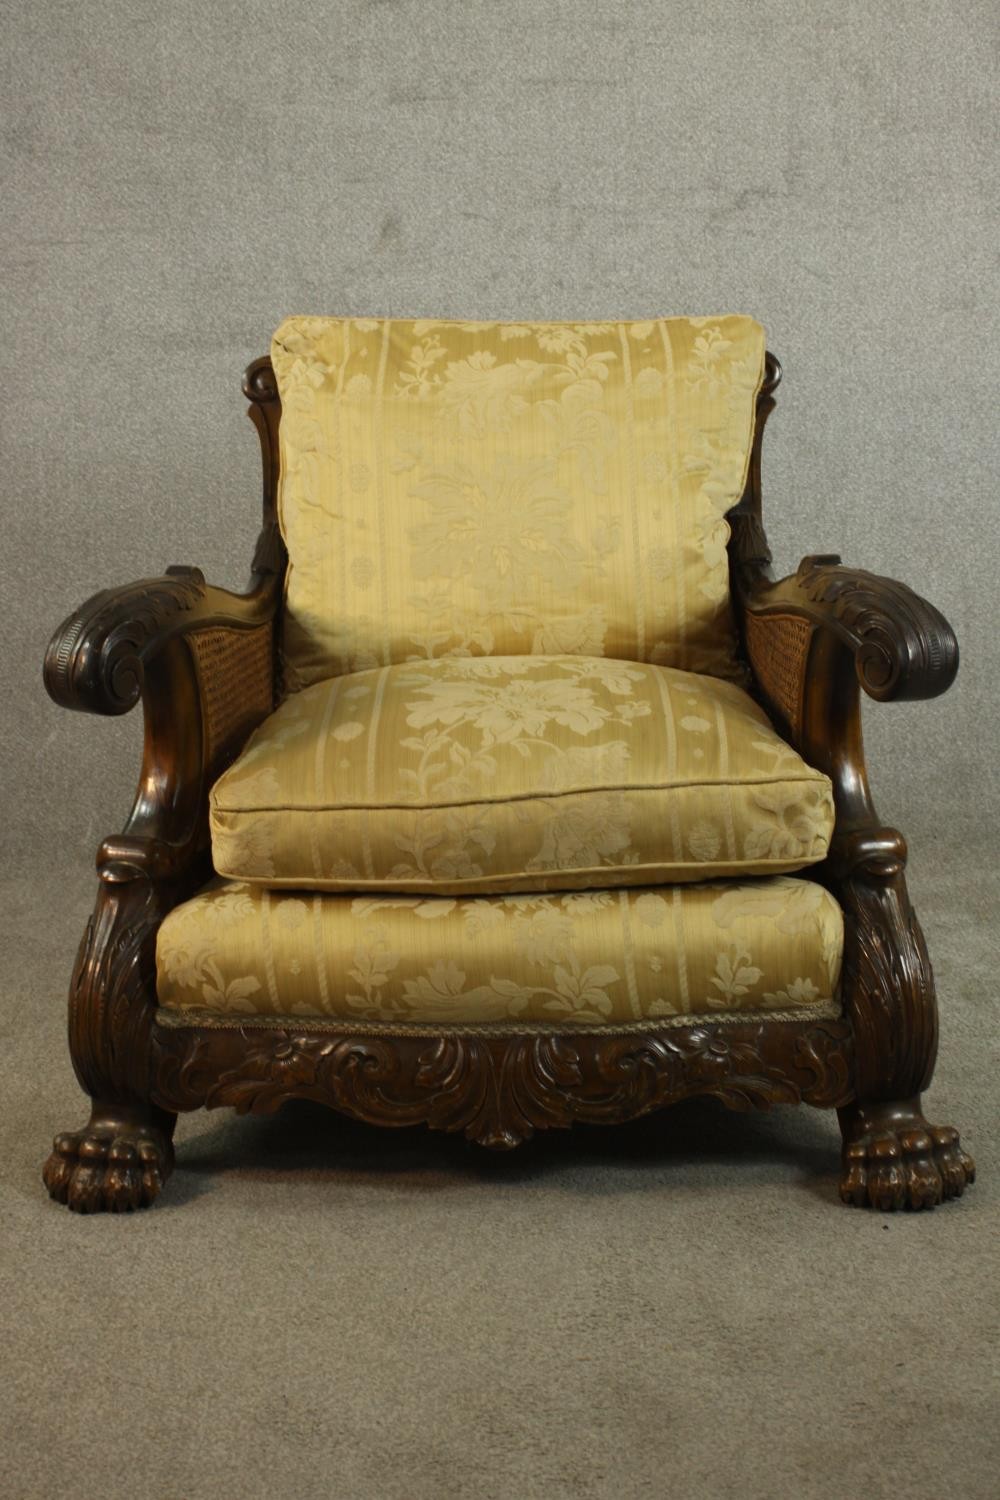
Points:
x=117, y=1162
x=123, y=1155
x=893, y=1157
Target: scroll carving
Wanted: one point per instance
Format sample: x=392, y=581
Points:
x=903, y=647
x=95, y=659
x=500, y=1090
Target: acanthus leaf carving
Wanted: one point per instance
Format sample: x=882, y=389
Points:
x=887, y=979
x=903, y=646
x=499, y=1090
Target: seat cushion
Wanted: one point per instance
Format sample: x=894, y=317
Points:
x=516, y=773
x=587, y=957
x=498, y=488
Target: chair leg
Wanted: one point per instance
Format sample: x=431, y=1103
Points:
x=892, y=1156
x=118, y=1161
x=124, y=1154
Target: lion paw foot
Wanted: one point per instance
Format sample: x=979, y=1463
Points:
x=112, y=1165
x=912, y=1165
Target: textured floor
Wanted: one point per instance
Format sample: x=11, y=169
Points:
x=677, y=1307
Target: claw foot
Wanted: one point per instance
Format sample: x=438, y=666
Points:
x=894, y=1159
x=116, y=1163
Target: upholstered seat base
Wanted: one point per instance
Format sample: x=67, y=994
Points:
x=578, y=958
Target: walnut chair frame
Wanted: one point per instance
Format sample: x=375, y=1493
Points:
x=203, y=661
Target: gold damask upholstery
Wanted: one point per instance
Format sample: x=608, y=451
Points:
x=594, y=957
x=505, y=488
x=518, y=773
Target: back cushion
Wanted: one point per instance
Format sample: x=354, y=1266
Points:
x=503, y=488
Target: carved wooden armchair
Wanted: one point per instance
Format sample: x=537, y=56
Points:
x=515, y=792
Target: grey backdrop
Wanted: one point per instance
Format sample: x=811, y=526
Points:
x=180, y=177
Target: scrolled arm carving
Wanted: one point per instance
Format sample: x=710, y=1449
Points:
x=96, y=660
x=201, y=659
x=902, y=646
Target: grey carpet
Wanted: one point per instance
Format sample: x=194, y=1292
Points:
x=681, y=1306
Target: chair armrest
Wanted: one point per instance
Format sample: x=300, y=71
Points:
x=811, y=639
x=202, y=661
x=901, y=646
x=96, y=660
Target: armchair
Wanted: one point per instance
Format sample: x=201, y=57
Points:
x=152, y=1033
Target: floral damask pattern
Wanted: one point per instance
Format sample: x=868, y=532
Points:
x=499, y=488
x=592, y=958
x=516, y=773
